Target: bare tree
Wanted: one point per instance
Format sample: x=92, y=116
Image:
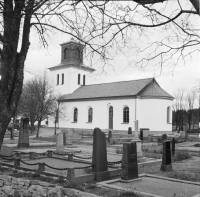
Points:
x=28, y=105
x=105, y=27
x=197, y=90
x=190, y=101
x=179, y=109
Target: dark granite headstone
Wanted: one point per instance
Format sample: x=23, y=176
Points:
x=130, y=130
x=129, y=161
x=64, y=139
x=109, y=135
x=166, y=157
x=164, y=137
x=99, y=156
x=141, y=134
x=173, y=146
x=23, y=141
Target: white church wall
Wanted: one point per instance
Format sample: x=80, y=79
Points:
x=70, y=79
x=100, y=114
x=152, y=114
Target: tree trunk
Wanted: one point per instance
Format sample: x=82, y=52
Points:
x=55, y=128
x=13, y=129
x=12, y=61
x=38, y=129
x=32, y=126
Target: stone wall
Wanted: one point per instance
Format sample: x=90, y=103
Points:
x=17, y=187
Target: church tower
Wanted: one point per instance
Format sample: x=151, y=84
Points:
x=71, y=73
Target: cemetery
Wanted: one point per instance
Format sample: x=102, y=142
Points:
x=138, y=165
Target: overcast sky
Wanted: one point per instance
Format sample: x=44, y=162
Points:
x=182, y=77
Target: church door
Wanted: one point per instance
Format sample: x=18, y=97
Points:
x=111, y=117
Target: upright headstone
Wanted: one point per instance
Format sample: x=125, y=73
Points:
x=130, y=130
x=164, y=137
x=182, y=134
x=173, y=146
x=23, y=141
x=166, y=157
x=129, y=161
x=99, y=156
x=59, y=143
x=136, y=128
x=64, y=139
x=6, y=150
x=145, y=134
x=138, y=141
x=141, y=134
x=109, y=135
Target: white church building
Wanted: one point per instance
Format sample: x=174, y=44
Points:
x=108, y=105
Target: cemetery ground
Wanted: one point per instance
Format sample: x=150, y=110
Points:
x=186, y=164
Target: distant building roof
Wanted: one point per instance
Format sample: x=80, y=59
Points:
x=143, y=87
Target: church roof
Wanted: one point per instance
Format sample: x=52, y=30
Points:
x=67, y=65
x=142, y=87
x=154, y=90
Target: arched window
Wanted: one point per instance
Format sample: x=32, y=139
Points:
x=90, y=113
x=66, y=53
x=77, y=54
x=126, y=115
x=168, y=114
x=75, y=115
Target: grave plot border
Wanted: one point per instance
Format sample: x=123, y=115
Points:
x=106, y=184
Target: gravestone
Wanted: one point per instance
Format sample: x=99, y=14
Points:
x=130, y=130
x=146, y=134
x=59, y=143
x=109, y=135
x=166, y=157
x=164, y=137
x=141, y=134
x=182, y=134
x=138, y=141
x=70, y=135
x=64, y=139
x=173, y=146
x=7, y=151
x=99, y=156
x=136, y=128
x=129, y=161
x=23, y=141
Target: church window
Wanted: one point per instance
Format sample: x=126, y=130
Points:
x=66, y=53
x=126, y=115
x=90, y=113
x=83, y=79
x=168, y=114
x=79, y=79
x=62, y=78
x=57, y=79
x=77, y=54
x=75, y=115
